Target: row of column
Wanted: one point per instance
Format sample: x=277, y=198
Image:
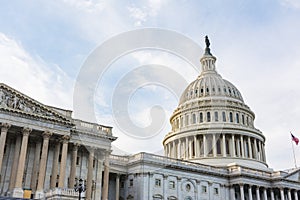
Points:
x=240, y=192
x=40, y=164
x=216, y=145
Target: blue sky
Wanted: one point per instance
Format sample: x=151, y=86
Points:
x=43, y=46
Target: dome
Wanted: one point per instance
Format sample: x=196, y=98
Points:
x=212, y=124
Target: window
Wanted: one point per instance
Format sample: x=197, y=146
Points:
x=208, y=116
x=181, y=121
x=188, y=187
x=230, y=117
x=171, y=185
x=237, y=118
x=157, y=182
x=201, y=117
x=186, y=120
x=243, y=119
x=216, y=116
x=94, y=163
x=216, y=191
x=204, y=189
x=194, y=118
x=224, y=116
x=130, y=182
x=207, y=90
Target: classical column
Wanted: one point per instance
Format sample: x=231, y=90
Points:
x=55, y=165
x=204, y=146
x=264, y=152
x=224, y=144
x=99, y=176
x=242, y=146
x=89, y=182
x=238, y=153
x=214, y=146
x=233, y=146
x=18, y=191
x=186, y=148
x=190, y=148
x=43, y=164
x=14, y=167
x=281, y=194
x=4, y=129
x=265, y=194
x=296, y=195
x=63, y=163
x=118, y=187
x=289, y=194
x=195, y=147
x=179, y=149
x=36, y=161
x=250, y=148
x=242, y=192
x=250, y=192
x=272, y=194
x=73, y=165
x=256, y=149
x=257, y=193
x=174, y=149
x=106, y=177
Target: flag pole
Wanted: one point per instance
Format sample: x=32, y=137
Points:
x=295, y=161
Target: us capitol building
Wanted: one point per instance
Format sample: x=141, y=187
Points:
x=213, y=151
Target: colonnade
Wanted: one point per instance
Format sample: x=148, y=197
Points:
x=216, y=145
x=59, y=166
x=255, y=192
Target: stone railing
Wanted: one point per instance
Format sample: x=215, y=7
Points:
x=62, y=193
x=92, y=127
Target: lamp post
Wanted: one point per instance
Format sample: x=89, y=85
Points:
x=79, y=187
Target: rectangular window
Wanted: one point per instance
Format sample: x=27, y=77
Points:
x=243, y=119
x=237, y=118
x=157, y=182
x=216, y=116
x=216, y=191
x=171, y=185
x=204, y=189
x=186, y=120
x=208, y=116
x=224, y=116
x=130, y=182
x=201, y=117
x=194, y=119
x=230, y=117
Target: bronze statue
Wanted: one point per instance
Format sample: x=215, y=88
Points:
x=207, y=42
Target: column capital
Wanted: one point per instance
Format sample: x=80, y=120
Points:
x=76, y=146
x=47, y=134
x=5, y=126
x=65, y=139
x=26, y=131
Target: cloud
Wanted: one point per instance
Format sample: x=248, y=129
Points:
x=29, y=74
x=291, y=3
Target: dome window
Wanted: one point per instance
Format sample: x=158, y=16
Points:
x=207, y=90
x=229, y=90
x=201, y=117
x=216, y=116
x=243, y=119
x=230, y=117
x=196, y=91
x=213, y=89
x=219, y=89
x=233, y=92
x=224, y=90
x=224, y=116
x=186, y=120
x=201, y=91
x=208, y=117
x=237, y=118
x=191, y=93
x=194, y=118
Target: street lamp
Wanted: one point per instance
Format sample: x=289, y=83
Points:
x=79, y=187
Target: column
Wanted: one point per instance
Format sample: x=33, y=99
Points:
x=174, y=149
x=14, y=167
x=179, y=149
x=63, y=163
x=43, y=165
x=55, y=165
x=232, y=192
x=289, y=194
x=296, y=195
x=73, y=165
x=36, y=161
x=242, y=192
x=257, y=193
x=106, y=177
x=99, y=176
x=214, y=145
x=242, y=146
x=265, y=194
x=281, y=194
x=195, y=147
x=233, y=146
x=224, y=145
x=186, y=148
x=250, y=148
x=260, y=152
x=118, y=187
x=89, y=182
x=264, y=152
x=272, y=194
x=204, y=146
x=4, y=129
x=250, y=192
x=190, y=148
x=256, y=149
x=18, y=191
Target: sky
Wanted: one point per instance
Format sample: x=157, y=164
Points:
x=45, y=48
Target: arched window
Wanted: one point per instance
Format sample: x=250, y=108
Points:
x=201, y=117
x=230, y=117
x=224, y=116
x=194, y=118
x=216, y=116
x=237, y=118
x=186, y=120
x=208, y=116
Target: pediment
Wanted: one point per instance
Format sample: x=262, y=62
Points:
x=13, y=101
x=293, y=176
